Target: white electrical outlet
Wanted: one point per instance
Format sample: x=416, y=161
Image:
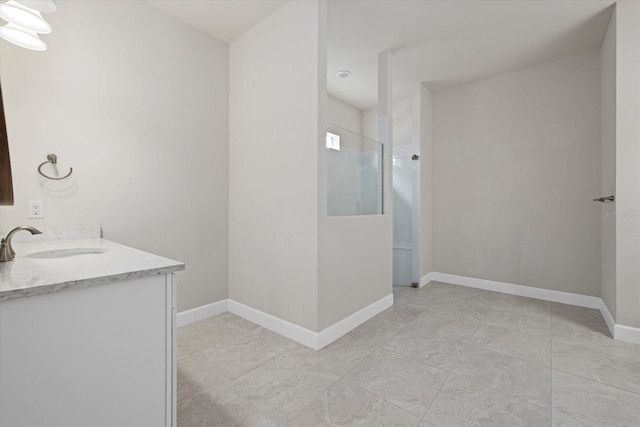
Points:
x=36, y=209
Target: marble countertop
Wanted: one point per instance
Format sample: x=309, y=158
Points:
x=27, y=275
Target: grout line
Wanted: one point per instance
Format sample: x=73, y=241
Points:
x=450, y=373
x=341, y=378
x=435, y=396
x=374, y=349
x=329, y=386
x=312, y=400
x=274, y=357
x=591, y=349
x=597, y=382
x=414, y=360
x=296, y=413
x=520, y=358
x=378, y=396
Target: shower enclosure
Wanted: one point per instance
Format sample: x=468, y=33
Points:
x=354, y=179
x=406, y=216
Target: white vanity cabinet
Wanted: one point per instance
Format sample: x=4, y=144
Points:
x=94, y=354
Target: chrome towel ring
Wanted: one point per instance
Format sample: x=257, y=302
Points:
x=53, y=159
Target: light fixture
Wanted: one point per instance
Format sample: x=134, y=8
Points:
x=343, y=74
x=44, y=6
x=22, y=37
x=25, y=21
x=25, y=17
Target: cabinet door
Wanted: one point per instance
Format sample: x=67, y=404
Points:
x=95, y=357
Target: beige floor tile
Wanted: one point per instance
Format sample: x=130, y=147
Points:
x=575, y=315
x=584, y=328
x=472, y=407
x=459, y=325
x=345, y=405
x=338, y=357
x=375, y=332
x=532, y=348
x=219, y=330
x=404, y=382
x=446, y=297
x=581, y=402
x=615, y=371
x=484, y=356
x=283, y=386
x=420, y=343
x=518, y=303
x=523, y=321
x=343, y=354
x=219, y=407
x=394, y=318
x=222, y=363
x=488, y=372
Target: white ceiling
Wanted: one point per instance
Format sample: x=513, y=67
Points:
x=442, y=43
x=436, y=42
x=223, y=19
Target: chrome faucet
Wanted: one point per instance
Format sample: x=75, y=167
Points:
x=6, y=250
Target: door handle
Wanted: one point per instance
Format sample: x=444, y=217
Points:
x=604, y=199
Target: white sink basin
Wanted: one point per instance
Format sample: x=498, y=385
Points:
x=65, y=253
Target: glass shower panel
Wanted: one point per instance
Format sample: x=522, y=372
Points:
x=354, y=173
x=405, y=199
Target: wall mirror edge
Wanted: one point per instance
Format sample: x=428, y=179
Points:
x=6, y=183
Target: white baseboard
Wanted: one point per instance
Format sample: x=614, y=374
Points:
x=619, y=332
x=283, y=327
x=307, y=337
x=201, y=313
x=627, y=333
x=608, y=318
x=426, y=279
x=335, y=331
x=304, y=336
x=520, y=290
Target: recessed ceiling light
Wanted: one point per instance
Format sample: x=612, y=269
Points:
x=343, y=74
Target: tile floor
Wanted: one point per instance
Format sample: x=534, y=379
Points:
x=443, y=355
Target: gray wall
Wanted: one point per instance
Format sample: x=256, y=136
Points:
x=608, y=166
x=628, y=163
x=143, y=122
x=273, y=165
x=516, y=163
